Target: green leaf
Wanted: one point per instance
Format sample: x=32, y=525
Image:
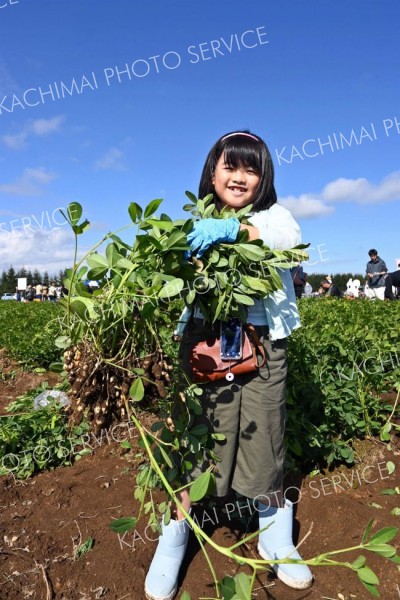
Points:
x=167, y=515
x=157, y=426
x=389, y=492
x=359, y=562
x=85, y=452
x=227, y=587
x=219, y=306
x=122, y=525
x=173, y=288
x=383, y=549
x=254, y=283
x=250, y=251
x=112, y=254
x=385, y=432
x=56, y=367
x=175, y=239
x=367, y=576
x=191, y=197
x=387, y=534
x=98, y=273
x=74, y=210
x=135, y=212
x=372, y=589
x=78, y=229
x=190, y=298
x=84, y=548
x=84, y=308
x=219, y=437
x=124, y=263
x=136, y=392
x=391, y=467
x=201, y=485
x=166, y=457
x=243, y=586
x=63, y=342
x=186, y=596
x=163, y=225
x=242, y=299
x=96, y=260
x=395, y=559
x=199, y=430
x=367, y=530
x=152, y=207
x=395, y=512
x=126, y=444
x=82, y=290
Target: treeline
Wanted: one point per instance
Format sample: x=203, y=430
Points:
x=314, y=279
x=9, y=279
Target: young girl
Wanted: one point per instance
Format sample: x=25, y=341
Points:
x=250, y=411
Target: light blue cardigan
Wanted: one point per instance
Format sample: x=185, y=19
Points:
x=279, y=231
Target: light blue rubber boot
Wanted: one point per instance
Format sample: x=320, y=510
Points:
x=276, y=542
x=162, y=578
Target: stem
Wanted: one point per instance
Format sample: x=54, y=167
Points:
x=252, y=582
x=74, y=269
x=361, y=394
x=213, y=573
x=321, y=560
x=394, y=406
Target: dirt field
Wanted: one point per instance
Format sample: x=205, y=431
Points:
x=43, y=520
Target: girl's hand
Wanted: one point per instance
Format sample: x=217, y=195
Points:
x=212, y=231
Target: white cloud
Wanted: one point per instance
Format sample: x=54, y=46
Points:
x=45, y=126
x=361, y=190
x=15, y=142
x=29, y=184
x=306, y=206
x=38, y=127
x=113, y=159
x=343, y=190
x=42, y=249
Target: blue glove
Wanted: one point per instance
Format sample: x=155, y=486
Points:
x=212, y=231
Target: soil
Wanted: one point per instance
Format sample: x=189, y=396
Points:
x=44, y=520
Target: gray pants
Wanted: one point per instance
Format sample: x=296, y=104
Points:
x=250, y=411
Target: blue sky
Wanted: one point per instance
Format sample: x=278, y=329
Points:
x=317, y=80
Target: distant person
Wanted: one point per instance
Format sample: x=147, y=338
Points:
x=39, y=292
x=299, y=280
x=328, y=288
x=45, y=292
x=29, y=294
x=353, y=286
x=392, y=280
x=308, y=290
x=376, y=271
x=52, y=292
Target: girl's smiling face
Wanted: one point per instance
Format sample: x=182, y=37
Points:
x=235, y=186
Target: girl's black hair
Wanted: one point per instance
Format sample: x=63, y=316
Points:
x=242, y=151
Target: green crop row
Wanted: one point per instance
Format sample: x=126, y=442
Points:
x=343, y=359
x=28, y=332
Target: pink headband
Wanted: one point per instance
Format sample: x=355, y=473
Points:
x=253, y=137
